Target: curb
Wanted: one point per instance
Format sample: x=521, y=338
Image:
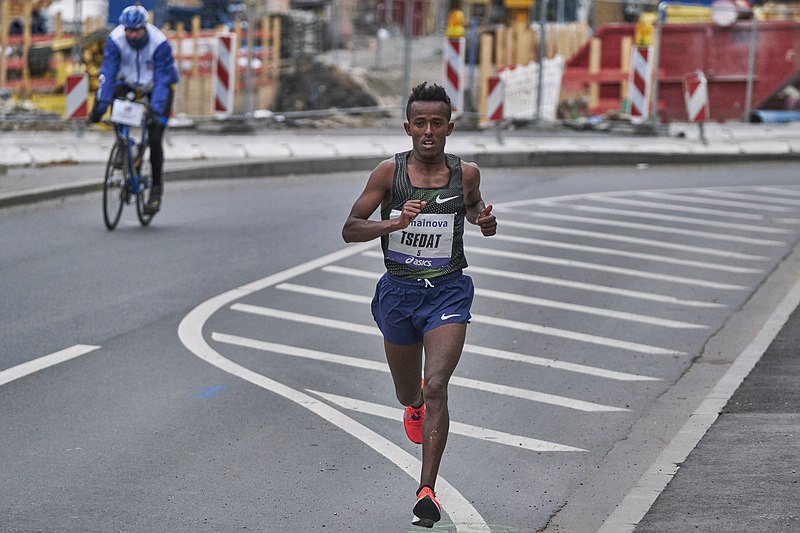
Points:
x=323, y=165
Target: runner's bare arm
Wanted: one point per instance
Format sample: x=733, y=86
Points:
x=358, y=227
x=478, y=212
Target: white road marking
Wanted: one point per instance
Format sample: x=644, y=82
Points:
x=620, y=253
x=483, y=386
x=702, y=250
x=711, y=201
x=25, y=369
x=532, y=278
x=748, y=197
x=603, y=268
x=669, y=218
x=676, y=208
x=461, y=511
x=511, y=297
x=639, y=500
x=776, y=190
x=468, y=348
x=650, y=228
x=457, y=428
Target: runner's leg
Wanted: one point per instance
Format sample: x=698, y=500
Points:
x=443, y=346
x=405, y=364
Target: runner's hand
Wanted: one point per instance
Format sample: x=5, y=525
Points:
x=487, y=221
x=411, y=209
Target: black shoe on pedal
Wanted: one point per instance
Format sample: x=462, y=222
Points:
x=153, y=205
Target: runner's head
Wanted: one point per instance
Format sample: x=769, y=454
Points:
x=134, y=20
x=428, y=93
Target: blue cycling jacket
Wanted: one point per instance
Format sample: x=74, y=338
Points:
x=151, y=68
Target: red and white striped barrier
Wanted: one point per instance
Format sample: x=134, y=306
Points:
x=695, y=94
x=455, y=50
x=494, y=100
x=77, y=97
x=224, y=69
x=639, y=81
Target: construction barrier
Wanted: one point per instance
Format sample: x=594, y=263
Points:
x=494, y=101
x=77, y=97
x=522, y=90
x=695, y=94
x=454, y=69
x=224, y=70
x=639, y=82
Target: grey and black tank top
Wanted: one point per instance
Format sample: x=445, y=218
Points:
x=433, y=244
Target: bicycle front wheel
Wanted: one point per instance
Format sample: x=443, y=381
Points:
x=115, y=186
x=145, y=189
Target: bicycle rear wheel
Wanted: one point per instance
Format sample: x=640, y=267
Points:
x=115, y=186
x=145, y=189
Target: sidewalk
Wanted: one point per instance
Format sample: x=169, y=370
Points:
x=742, y=476
x=195, y=155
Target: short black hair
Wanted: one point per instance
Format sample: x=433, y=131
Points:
x=428, y=93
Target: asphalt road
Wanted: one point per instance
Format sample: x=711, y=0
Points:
x=225, y=373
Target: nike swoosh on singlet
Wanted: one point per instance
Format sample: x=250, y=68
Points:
x=447, y=317
x=440, y=200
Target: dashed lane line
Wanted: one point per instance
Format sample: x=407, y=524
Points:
x=456, y=428
x=718, y=267
x=546, y=280
x=483, y=386
x=10, y=374
x=469, y=348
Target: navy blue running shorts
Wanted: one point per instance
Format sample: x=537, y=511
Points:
x=406, y=309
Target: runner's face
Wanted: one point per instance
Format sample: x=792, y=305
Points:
x=428, y=127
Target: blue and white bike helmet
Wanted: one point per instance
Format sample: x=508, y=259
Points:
x=133, y=18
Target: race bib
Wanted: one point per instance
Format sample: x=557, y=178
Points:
x=426, y=243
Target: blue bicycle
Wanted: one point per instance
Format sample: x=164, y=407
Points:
x=128, y=174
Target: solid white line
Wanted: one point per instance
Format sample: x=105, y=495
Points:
x=483, y=386
x=711, y=201
x=749, y=197
x=670, y=218
x=676, y=207
x=775, y=190
x=651, y=228
x=639, y=500
x=532, y=278
x=621, y=253
x=703, y=250
x=593, y=287
x=604, y=268
x=575, y=336
x=468, y=348
x=510, y=297
x=599, y=311
x=25, y=369
x=457, y=428
x=461, y=511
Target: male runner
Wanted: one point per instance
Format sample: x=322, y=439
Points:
x=422, y=303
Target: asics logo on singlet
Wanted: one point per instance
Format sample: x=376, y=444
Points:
x=440, y=200
x=419, y=262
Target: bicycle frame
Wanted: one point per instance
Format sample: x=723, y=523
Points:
x=135, y=153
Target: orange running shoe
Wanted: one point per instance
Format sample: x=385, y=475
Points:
x=413, y=417
x=427, y=510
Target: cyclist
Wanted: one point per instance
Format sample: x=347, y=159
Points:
x=138, y=57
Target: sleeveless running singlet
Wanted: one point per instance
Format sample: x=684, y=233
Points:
x=432, y=245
